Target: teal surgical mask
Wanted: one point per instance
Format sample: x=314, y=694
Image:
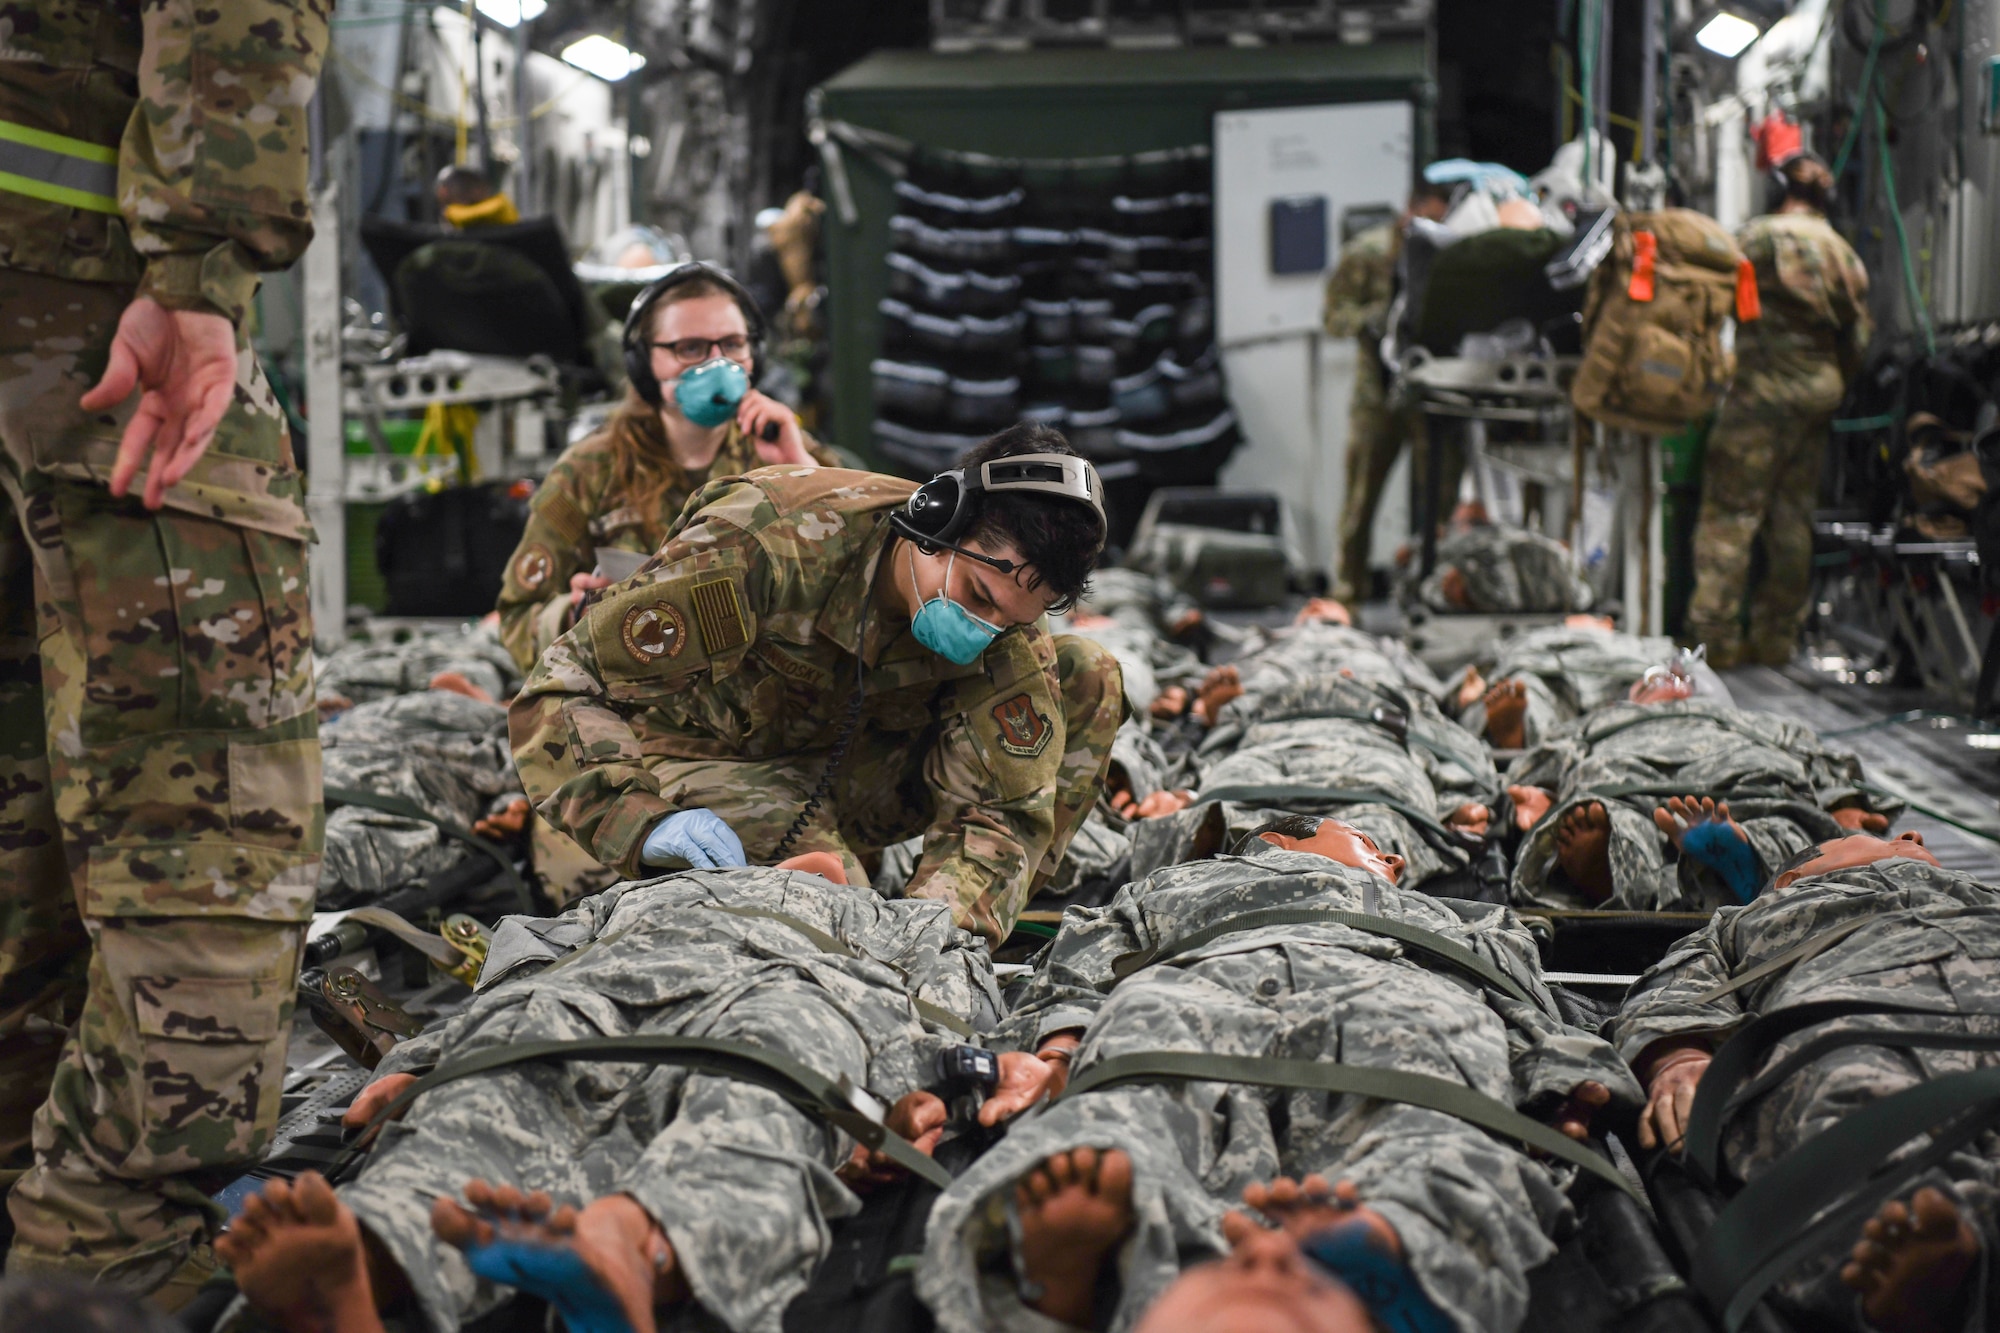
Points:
x=707, y=394
x=945, y=627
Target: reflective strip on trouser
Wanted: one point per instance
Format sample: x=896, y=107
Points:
x=58, y=169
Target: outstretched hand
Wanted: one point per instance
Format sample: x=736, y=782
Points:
x=184, y=364
x=1669, y=1099
x=371, y=1101
x=1574, y=1113
x=1024, y=1080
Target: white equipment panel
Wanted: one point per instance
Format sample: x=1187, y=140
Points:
x=1352, y=155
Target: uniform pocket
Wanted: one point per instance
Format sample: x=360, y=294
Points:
x=187, y=623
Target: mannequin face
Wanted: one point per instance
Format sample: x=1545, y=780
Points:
x=1346, y=844
x=1264, y=1286
x=1859, y=850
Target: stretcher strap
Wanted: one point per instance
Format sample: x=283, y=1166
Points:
x=1279, y=794
x=803, y=1087
x=1744, y=1052
x=1389, y=1085
x=1416, y=937
x=396, y=805
x=1808, y=948
x=1833, y=1181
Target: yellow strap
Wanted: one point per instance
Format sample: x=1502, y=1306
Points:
x=58, y=143
x=58, y=169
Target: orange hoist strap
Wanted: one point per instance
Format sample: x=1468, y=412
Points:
x=1748, y=307
x=1645, y=252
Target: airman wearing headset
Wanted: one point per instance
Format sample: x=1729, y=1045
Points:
x=691, y=344
x=829, y=660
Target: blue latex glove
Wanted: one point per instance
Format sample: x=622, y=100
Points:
x=698, y=837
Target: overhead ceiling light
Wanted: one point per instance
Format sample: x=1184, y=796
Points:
x=1727, y=34
x=511, y=13
x=603, y=57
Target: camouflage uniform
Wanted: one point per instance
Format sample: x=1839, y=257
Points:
x=1474, y=1214
x=721, y=675
x=1567, y=672
x=740, y=1179
x=360, y=671
x=1144, y=609
x=574, y=512
x=442, y=752
x=1933, y=944
x=1780, y=779
x=1357, y=302
x=1506, y=569
x=1304, y=720
x=159, y=776
x=1317, y=737
x=1761, y=471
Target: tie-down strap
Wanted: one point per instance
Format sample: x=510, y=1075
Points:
x=1389, y=1085
x=836, y=1103
x=1423, y=941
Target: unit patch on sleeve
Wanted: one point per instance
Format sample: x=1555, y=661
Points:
x=654, y=632
x=532, y=566
x=1024, y=729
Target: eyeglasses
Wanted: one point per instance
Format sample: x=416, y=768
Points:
x=688, y=351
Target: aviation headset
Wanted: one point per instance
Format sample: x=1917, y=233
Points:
x=1783, y=181
x=637, y=338
x=945, y=506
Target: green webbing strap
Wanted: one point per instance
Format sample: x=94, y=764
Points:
x=1810, y=947
x=396, y=805
x=1416, y=937
x=1389, y=1085
x=1406, y=737
x=1743, y=1052
x=944, y=1018
x=58, y=169
x=1758, y=1237
x=802, y=1087
x=1651, y=715
x=1907, y=1039
x=1618, y=789
x=1279, y=795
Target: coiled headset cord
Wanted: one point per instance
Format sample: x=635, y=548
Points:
x=842, y=738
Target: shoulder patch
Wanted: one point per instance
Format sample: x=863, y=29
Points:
x=1024, y=728
x=533, y=565
x=718, y=610
x=554, y=507
x=653, y=632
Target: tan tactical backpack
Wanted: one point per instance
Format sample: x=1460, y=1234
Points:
x=1653, y=358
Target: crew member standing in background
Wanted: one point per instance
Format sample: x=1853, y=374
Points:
x=1761, y=472
x=623, y=487
x=1357, y=302
x=160, y=820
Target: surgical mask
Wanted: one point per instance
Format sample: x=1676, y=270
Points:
x=945, y=627
x=707, y=394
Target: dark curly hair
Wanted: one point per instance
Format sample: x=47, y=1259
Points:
x=1059, y=538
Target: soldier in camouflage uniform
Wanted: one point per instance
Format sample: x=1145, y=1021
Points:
x=1487, y=566
x=1473, y=1214
x=737, y=1185
x=361, y=671
x=717, y=682
x=1761, y=472
x=1919, y=935
x=442, y=752
x=1357, y=302
x=159, y=776
x=1590, y=798
x=1556, y=674
x=623, y=487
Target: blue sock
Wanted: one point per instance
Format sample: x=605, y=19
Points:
x=1383, y=1283
x=1719, y=847
x=558, y=1275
